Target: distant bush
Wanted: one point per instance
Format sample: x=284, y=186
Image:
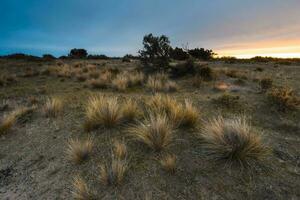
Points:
x=48, y=57
x=183, y=69
x=100, y=57
x=206, y=73
x=78, y=53
x=265, y=84
x=202, y=54
x=21, y=56
x=156, y=51
x=178, y=54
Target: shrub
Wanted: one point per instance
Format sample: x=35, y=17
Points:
x=80, y=189
x=203, y=54
x=178, y=54
x=78, y=53
x=168, y=163
x=284, y=98
x=265, y=84
x=78, y=151
x=206, y=73
x=53, y=107
x=232, y=140
x=156, y=51
x=156, y=132
x=197, y=81
x=102, y=111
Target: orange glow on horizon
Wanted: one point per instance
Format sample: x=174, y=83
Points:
x=280, y=49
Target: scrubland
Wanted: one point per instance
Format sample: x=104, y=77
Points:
x=105, y=129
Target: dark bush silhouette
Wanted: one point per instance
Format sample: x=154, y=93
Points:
x=48, y=57
x=202, y=54
x=179, y=54
x=21, y=56
x=156, y=51
x=188, y=67
x=100, y=57
x=78, y=53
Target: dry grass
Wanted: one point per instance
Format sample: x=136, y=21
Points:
x=102, y=111
x=78, y=150
x=121, y=82
x=119, y=150
x=53, y=107
x=114, y=173
x=156, y=132
x=284, y=98
x=136, y=78
x=232, y=140
x=181, y=115
x=80, y=189
x=130, y=110
x=228, y=101
x=265, y=84
x=168, y=162
x=161, y=83
x=13, y=117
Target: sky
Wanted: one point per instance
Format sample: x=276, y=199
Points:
x=241, y=28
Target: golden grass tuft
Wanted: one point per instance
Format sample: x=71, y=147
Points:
x=78, y=151
x=136, y=78
x=53, y=107
x=284, y=98
x=121, y=82
x=130, y=110
x=179, y=114
x=13, y=117
x=119, y=149
x=156, y=132
x=114, y=173
x=102, y=111
x=80, y=189
x=161, y=83
x=233, y=141
x=168, y=162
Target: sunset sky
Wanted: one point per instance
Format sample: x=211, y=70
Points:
x=241, y=28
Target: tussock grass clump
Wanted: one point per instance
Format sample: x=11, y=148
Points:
x=53, y=107
x=136, y=78
x=80, y=189
x=12, y=118
x=161, y=83
x=206, y=73
x=102, y=111
x=119, y=149
x=121, y=82
x=284, y=98
x=130, y=110
x=232, y=140
x=179, y=114
x=265, y=84
x=78, y=151
x=168, y=162
x=113, y=173
x=197, y=81
x=156, y=132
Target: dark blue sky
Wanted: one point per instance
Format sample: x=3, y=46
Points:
x=116, y=27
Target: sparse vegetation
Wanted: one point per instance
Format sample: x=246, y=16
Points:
x=265, y=84
x=168, y=162
x=80, y=189
x=284, y=98
x=102, y=111
x=53, y=107
x=233, y=141
x=156, y=132
x=78, y=151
